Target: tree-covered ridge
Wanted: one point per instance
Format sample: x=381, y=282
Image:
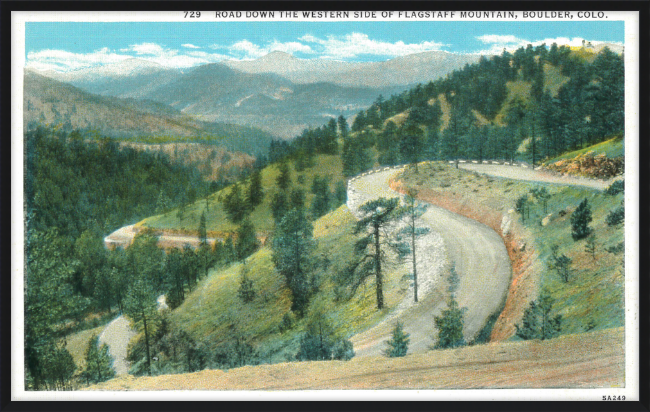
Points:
x=532, y=104
x=74, y=186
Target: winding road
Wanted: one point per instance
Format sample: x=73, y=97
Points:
x=478, y=253
x=537, y=175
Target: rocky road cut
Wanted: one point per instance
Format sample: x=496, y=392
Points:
x=477, y=251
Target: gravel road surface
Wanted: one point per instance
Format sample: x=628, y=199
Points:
x=537, y=175
x=478, y=253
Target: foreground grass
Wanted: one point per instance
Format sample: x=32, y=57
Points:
x=213, y=312
x=593, y=298
x=588, y=360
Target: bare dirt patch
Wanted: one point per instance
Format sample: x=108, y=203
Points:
x=589, y=360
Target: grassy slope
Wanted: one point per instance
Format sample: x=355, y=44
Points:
x=614, y=147
x=214, y=305
x=77, y=344
x=596, y=289
x=261, y=217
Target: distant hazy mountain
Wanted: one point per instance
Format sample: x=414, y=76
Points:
x=216, y=92
x=277, y=93
x=129, y=78
x=400, y=71
x=48, y=101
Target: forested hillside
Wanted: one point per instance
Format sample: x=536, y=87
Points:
x=533, y=104
x=75, y=193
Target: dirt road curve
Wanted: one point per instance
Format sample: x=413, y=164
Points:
x=117, y=335
x=476, y=250
x=123, y=237
x=542, y=176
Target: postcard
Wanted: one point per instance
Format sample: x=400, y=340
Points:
x=386, y=205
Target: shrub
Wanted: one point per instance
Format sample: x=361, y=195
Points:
x=616, y=216
x=537, y=322
x=615, y=188
x=450, y=326
x=398, y=344
x=580, y=220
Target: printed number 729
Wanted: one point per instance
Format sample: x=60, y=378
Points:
x=192, y=14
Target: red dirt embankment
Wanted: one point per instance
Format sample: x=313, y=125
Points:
x=523, y=287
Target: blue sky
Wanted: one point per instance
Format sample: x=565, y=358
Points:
x=65, y=46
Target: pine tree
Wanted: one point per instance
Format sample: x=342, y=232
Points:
x=247, y=242
x=343, y=127
x=98, y=362
x=293, y=247
x=279, y=207
x=255, y=193
x=378, y=214
x=590, y=246
x=398, y=344
x=140, y=306
x=203, y=232
x=284, y=178
x=450, y=326
x=234, y=205
x=537, y=322
x=580, y=220
x=412, y=212
x=246, y=290
x=560, y=263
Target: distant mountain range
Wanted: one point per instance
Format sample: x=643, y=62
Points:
x=48, y=101
x=401, y=71
x=277, y=93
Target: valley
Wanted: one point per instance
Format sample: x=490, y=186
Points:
x=277, y=223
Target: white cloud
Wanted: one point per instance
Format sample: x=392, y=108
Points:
x=190, y=46
x=245, y=49
x=61, y=60
x=151, y=49
x=357, y=44
x=496, y=38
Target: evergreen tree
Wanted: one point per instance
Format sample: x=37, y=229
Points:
x=247, y=242
x=378, y=214
x=49, y=301
x=537, y=322
x=343, y=127
x=321, y=203
x=234, y=205
x=98, y=362
x=255, y=193
x=590, y=246
x=560, y=263
x=450, y=326
x=279, y=207
x=412, y=212
x=284, y=178
x=340, y=193
x=293, y=247
x=140, y=306
x=580, y=220
x=398, y=344
x=203, y=232
x=297, y=199
x=246, y=292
